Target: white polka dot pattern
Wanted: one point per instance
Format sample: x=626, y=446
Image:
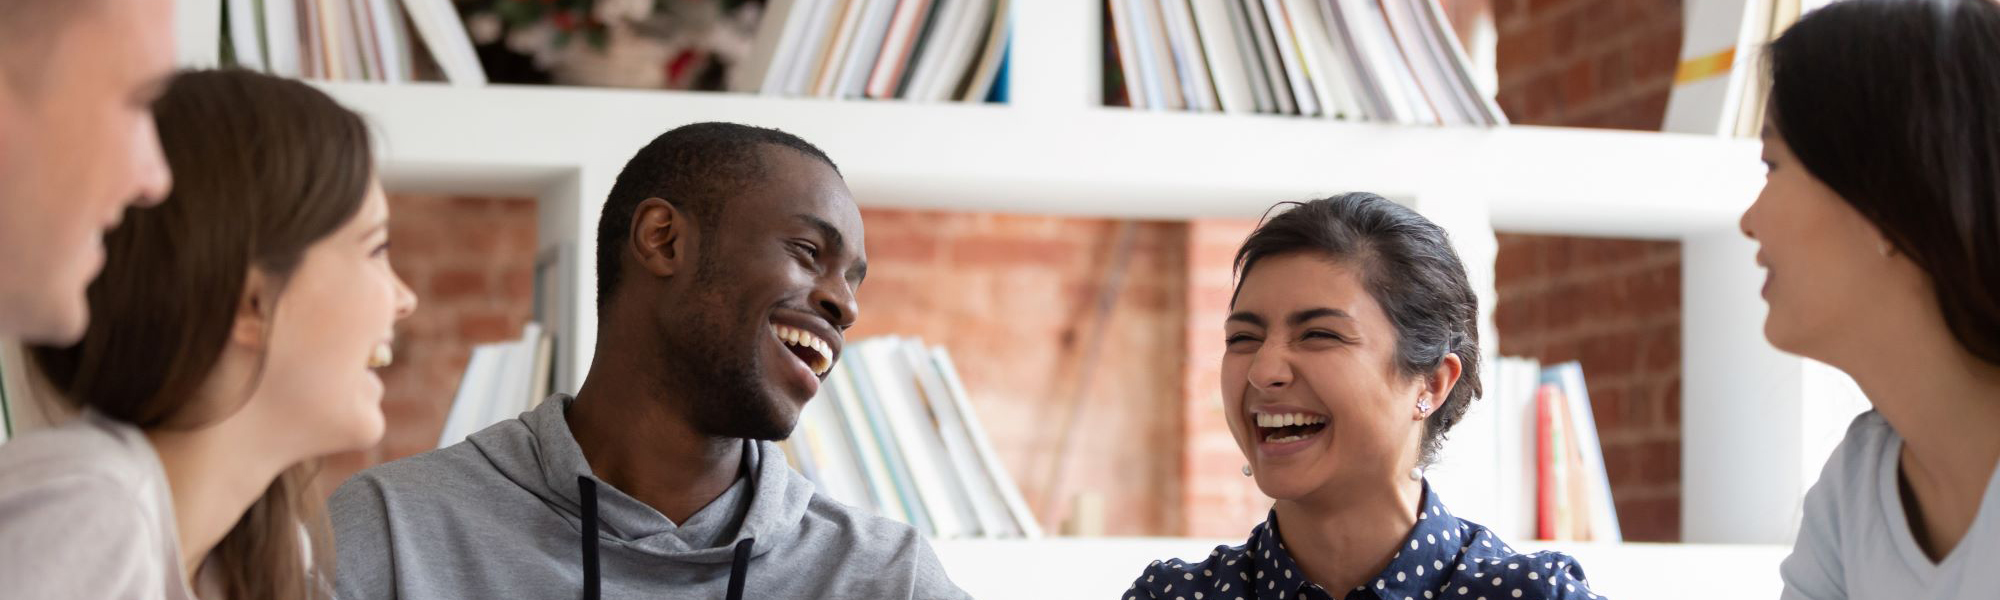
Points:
x=1430, y=563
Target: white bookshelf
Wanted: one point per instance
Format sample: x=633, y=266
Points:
x=1056, y=150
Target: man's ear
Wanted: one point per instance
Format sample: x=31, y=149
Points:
x=659, y=237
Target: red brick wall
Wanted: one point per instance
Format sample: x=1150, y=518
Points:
x=1587, y=63
x=471, y=262
x=1615, y=304
x=1220, y=501
x=1013, y=297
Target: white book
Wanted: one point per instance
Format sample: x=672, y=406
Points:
x=1002, y=480
x=779, y=27
x=941, y=41
x=1152, y=24
x=1479, y=103
x=198, y=33
x=1367, y=83
x=1150, y=75
x=833, y=458
x=1216, y=26
x=391, y=42
x=1291, y=55
x=917, y=436
x=986, y=71
x=281, y=38
x=899, y=43
x=1246, y=52
x=244, y=37
x=989, y=510
x=867, y=448
x=1267, y=52
x=1717, y=63
x=1603, y=513
x=1515, y=432
x=1128, y=58
x=960, y=53
x=1383, y=95
x=826, y=83
x=818, y=34
x=1323, y=69
x=367, y=39
x=444, y=34
x=868, y=39
x=1371, y=27
x=1189, y=60
x=1410, y=41
x=475, y=388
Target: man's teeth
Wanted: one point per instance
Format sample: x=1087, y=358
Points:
x=382, y=356
x=804, y=339
x=1288, y=419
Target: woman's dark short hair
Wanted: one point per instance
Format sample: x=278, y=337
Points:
x=1408, y=266
x=1895, y=105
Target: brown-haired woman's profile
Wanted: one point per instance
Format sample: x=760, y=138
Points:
x=232, y=342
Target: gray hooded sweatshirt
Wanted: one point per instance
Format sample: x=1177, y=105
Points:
x=504, y=515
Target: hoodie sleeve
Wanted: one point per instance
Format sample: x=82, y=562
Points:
x=362, y=543
x=930, y=579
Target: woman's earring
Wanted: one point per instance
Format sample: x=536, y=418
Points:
x=1416, y=474
x=1424, y=407
x=1246, y=470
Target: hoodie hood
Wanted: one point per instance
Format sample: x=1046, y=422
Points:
x=538, y=453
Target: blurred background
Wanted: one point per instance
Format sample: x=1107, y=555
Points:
x=1053, y=190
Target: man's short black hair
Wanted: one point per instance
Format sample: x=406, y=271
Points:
x=694, y=167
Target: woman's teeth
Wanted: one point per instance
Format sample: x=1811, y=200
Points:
x=1288, y=419
x=382, y=356
x=822, y=358
x=1282, y=428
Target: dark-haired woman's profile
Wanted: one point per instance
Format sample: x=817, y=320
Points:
x=1352, y=349
x=1880, y=226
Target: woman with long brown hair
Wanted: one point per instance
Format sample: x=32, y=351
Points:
x=232, y=342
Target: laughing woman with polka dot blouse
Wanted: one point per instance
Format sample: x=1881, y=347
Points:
x=1352, y=349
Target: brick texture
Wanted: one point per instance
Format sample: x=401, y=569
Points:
x=1015, y=300
x=1613, y=304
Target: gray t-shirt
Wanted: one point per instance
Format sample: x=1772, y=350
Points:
x=1856, y=540
x=86, y=512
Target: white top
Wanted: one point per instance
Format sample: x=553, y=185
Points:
x=1856, y=540
x=86, y=512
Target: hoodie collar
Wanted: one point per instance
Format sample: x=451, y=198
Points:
x=538, y=453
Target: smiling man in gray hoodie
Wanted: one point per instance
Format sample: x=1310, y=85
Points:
x=727, y=259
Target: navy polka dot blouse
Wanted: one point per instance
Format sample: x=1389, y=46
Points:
x=1444, y=557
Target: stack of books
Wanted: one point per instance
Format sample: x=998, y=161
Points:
x=892, y=431
x=348, y=40
x=1361, y=60
x=502, y=380
x=1526, y=461
x=923, y=50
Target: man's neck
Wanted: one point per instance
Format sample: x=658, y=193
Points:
x=633, y=438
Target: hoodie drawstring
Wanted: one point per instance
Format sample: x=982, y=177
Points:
x=588, y=489
x=739, y=566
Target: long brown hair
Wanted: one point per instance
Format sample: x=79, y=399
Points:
x=263, y=168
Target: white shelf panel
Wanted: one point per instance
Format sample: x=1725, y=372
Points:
x=1099, y=161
